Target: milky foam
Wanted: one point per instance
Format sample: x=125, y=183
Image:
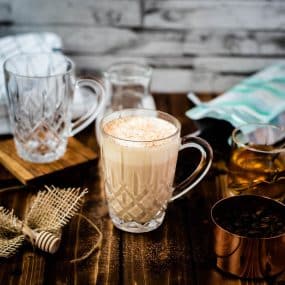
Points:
x=139, y=128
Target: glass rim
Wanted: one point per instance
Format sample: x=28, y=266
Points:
x=132, y=112
x=13, y=57
x=113, y=69
x=255, y=126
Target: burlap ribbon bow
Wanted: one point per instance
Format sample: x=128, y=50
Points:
x=50, y=211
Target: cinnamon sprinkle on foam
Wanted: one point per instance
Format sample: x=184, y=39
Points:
x=138, y=128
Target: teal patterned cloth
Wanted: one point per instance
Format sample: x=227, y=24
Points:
x=18, y=44
x=258, y=99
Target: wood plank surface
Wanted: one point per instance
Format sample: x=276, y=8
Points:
x=162, y=256
x=234, y=42
x=81, y=38
x=200, y=60
x=112, y=13
x=76, y=153
x=184, y=80
x=223, y=64
x=155, y=14
x=219, y=42
x=179, y=252
x=218, y=14
x=110, y=40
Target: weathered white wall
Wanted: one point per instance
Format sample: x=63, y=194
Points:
x=199, y=45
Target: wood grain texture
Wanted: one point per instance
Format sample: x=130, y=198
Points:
x=159, y=257
x=81, y=39
x=179, y=252
x=92, y=40
x=184, y=80
x=210, y=44
x=200, y=59
x=215, y=77
x=200, y=74
x=111, y=13
x=152, y=14
x=234, y=42
x=211, y=79
x=76, y=153
x=215, y=14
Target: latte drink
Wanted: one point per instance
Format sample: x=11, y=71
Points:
x=139, y=154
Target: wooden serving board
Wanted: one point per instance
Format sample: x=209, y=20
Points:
x=24, y=171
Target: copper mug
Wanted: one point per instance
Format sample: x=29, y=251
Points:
x=243, y=255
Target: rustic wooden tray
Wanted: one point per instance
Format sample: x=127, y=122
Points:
x=24, y=171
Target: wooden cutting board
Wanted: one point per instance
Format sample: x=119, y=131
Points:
x=24, y=171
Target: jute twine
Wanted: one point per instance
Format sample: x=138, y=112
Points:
x=51, y=209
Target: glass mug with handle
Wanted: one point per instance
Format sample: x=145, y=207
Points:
x=257, y=161
x=139, y=152
x=40, y=89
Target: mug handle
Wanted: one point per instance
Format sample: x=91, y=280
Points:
x=201, y=170
x=94, y=110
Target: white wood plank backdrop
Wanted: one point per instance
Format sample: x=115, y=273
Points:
x=203, y=46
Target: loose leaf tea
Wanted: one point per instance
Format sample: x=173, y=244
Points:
x=251, y=216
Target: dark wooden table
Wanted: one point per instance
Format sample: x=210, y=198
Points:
x=179, y=252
